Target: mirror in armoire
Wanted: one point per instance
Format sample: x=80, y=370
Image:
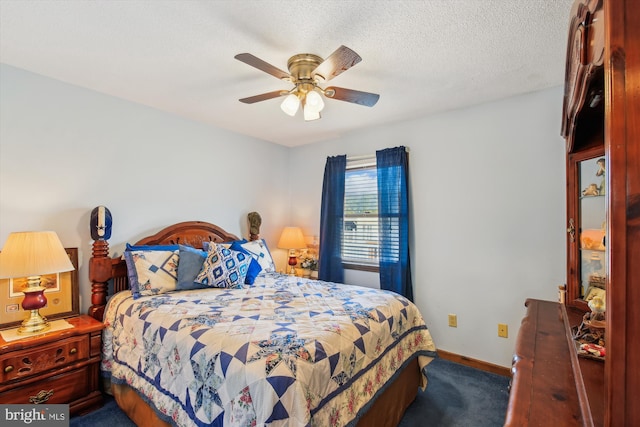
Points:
x=587, y=223
x=592, y=217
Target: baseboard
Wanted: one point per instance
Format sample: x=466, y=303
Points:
x=475, y=363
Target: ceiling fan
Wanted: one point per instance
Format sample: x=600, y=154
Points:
x=307, y=71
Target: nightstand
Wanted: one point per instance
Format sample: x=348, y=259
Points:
x=56, y=367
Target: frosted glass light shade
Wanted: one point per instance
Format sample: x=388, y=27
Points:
x=33, y=253
x=313, y=101
x=310, y=114
x=290, y=104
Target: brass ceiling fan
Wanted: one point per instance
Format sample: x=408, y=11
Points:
x=307, y=71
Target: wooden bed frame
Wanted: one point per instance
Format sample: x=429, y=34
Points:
x=387, y=410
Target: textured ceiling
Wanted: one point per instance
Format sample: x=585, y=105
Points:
x=422, y=57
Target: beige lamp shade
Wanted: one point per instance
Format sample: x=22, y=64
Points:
x=33, y=253
x=292, y=238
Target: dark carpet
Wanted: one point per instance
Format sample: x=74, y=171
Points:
x=456, y=396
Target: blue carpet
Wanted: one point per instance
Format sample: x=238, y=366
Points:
x=459, y=396
x=456, y=396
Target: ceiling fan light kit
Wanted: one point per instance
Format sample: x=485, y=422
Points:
x=306, y=72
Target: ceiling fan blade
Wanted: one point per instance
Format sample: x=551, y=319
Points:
x=261, y=65
x=350, y=95
x=263, y=96
x=340, y=60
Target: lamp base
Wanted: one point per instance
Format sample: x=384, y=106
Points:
x=293, y=260
x=33, y=301
x=35, y=323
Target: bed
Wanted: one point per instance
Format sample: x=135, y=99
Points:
x=283, y=351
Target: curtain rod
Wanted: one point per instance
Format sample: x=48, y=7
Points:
x=369, y=156
x=363, y=157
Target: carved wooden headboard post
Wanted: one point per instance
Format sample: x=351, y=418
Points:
x=100, y=266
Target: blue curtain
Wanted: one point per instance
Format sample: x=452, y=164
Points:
x=393, y=217
x=331, y=220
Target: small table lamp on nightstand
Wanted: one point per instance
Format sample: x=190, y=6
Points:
x=31, y=254
x=292, y=239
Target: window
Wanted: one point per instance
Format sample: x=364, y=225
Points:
x=360, y=236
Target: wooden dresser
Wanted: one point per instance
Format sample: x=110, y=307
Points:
x=54, y=367
x=551, y=386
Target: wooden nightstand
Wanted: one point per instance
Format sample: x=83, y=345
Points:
x=65, y=365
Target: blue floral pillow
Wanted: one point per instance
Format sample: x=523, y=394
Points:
x=152, y=270
x=224, y=268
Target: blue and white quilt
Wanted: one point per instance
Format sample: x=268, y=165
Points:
x=284, y=351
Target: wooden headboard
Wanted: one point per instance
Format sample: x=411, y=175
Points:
x=103, y=268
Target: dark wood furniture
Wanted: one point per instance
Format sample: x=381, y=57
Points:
x=601, y=116
x=56, y=367
x=547, y=387
x=583, y=129
x=387, y=410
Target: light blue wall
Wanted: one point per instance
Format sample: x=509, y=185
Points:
x=65, y=150
x=487, y=186
x=488, y=208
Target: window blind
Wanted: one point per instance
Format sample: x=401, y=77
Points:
x=361, y=237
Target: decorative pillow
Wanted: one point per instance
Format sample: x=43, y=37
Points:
x=224, y=268
x=152, y=270
x=254, y=266
x=191, y=260
x=260, y=252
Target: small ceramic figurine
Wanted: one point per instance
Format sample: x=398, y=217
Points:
x=597, y=307
x=601, y=173
x=254, y=224
x=591, y=190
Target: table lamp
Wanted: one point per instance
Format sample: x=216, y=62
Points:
x=292, y=239
x=31, y=254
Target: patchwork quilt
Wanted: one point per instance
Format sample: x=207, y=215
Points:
x=285, y=351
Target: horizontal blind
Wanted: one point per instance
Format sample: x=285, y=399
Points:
x=361, y=237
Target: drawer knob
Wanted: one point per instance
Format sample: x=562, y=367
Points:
x=41, y=397
x=8, y=369
x=73, y=350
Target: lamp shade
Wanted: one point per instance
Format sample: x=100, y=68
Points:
x=290, y=104
x=314, y=101
x=310, y=114
x=292, y=238
x=33, y=253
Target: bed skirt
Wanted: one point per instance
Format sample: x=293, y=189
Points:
x=387, y=410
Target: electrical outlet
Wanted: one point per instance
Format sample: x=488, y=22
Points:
x=453, y=320
x=503, y=330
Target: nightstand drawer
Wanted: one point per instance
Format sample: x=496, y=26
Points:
x=62, y=388
x=22, y=364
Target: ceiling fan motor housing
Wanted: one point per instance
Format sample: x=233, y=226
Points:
x=301, y=67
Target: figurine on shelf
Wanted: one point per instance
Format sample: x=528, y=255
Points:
x=591, y=190
x=601, y=173
x=590, y=334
